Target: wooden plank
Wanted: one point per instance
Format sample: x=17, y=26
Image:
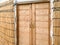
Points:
x=42, y=25
x=24, y=18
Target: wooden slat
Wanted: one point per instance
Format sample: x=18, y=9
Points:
x=24, y=19
x=42, y=24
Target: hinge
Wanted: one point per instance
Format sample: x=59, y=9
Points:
x=10, y=10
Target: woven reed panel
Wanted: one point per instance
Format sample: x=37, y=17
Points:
x=56, y=31
x=7, y=7
x=56, y=23
x=7, y=32
x=7, y=28
x=24, y=17
x=42, y=24
x=57, y=4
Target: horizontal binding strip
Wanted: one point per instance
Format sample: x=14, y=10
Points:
x=56, y=8
x=6, y=22
x=56, y=18
x=56, y=26
x=56, y=0
x=10, y=3
x=11, y=10
x=6, y=17
x=56, y=35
